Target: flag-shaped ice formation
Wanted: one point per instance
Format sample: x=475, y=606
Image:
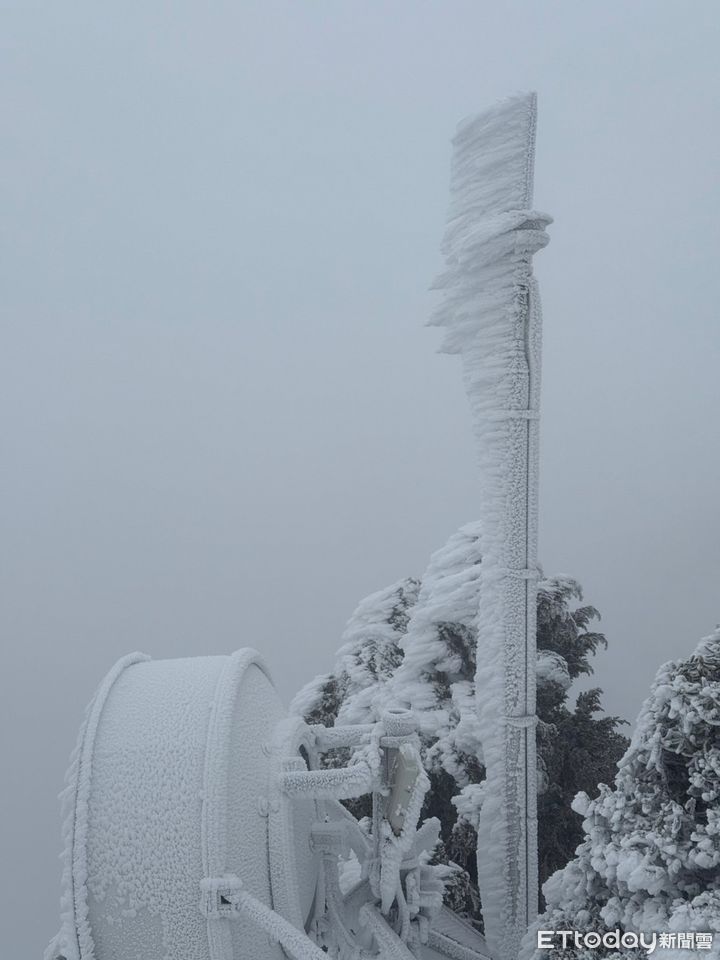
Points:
x=491, y=314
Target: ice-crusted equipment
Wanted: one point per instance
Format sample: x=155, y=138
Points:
x=201, y=824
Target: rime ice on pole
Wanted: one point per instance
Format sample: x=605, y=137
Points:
x=491, y=315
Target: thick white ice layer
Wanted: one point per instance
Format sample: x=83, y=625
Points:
x=490, y=313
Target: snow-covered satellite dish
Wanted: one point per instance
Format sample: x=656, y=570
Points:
x=200, y=824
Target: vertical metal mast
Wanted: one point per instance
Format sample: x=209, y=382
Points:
x=491, y=312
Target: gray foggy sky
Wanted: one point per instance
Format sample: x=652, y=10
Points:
x=223, y=421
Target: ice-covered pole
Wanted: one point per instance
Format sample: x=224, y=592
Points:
x=491, y=313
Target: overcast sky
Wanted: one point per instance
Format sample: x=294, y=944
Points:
x=223, y=420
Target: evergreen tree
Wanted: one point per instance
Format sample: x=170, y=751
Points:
x=650, y=858
x=415, y=644
x=576, y=748
x=368, y=657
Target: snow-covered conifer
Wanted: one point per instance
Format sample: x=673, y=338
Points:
x=414, y=644
x=650, y=859
x=576, y=748
x=367, y=659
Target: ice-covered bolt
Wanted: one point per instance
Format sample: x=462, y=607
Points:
x=399, y=723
